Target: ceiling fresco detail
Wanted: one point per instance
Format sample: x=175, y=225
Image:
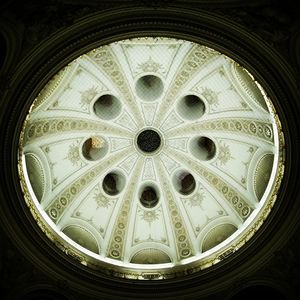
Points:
x=151, y=157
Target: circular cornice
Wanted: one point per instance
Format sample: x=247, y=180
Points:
x=226, y=134
x=45, y=60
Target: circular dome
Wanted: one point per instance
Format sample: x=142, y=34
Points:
x=151, y=175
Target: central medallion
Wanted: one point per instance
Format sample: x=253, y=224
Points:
x=148, y=141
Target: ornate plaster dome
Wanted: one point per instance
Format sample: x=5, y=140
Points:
x=151, y=158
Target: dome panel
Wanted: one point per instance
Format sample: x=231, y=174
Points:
x=249, y=86
x=150, y=256
x=217, y=235
x=36, y=174
x=262, y=174
x=82, y=237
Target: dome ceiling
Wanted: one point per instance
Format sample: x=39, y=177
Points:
x=151, y=157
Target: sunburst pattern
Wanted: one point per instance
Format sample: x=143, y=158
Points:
x=178, y=158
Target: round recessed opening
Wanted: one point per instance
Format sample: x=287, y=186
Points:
x=149, y=196
x=184, y=182
x=203, y=148
x=113, y=183
x=148, y=141
x=107, y=107
x=191, y=107
x=149, y=87
x=94, y=148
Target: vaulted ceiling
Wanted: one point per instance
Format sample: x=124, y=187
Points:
x=76, y=223
x=151, y=153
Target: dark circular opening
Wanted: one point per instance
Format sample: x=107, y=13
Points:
x=149, y=197
x=113, y=183
x=187, y=183
x=203, y=148
x=149, y=87
x=206, y=144
x=184, y=182
x=94, y=148
x=191, y=100
x=148, y=140
x=110, y=184
x=107, y=107
x=191, y=107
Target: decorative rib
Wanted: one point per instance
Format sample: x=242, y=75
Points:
x=239, y=204
x=197, y=57
x=64, y=199
x=251, y=127
x=107, y=61
x=117, y=242
x=182, y=238
x=43, y=128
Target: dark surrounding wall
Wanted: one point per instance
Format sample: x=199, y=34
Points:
x=24, y=25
